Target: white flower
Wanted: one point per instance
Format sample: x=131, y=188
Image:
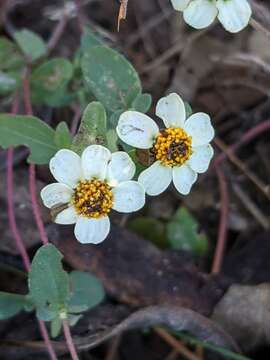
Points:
x=234, y=15
x=181, y=151
x=89, y=187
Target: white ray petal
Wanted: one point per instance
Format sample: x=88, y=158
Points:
x=129, y=196
x=183, y=178
x=199, y=127
x=92, y=231
x=180, y=5
x=95, y=160
x=234, y=14
x=201, y=157
x=120, y=168
x=67, y=216
x=56, y=194
x=200, y=13
x=156, y=178
x=65, y=166
x=137, y=129
x=171, y=109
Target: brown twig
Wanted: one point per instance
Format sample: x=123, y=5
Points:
x=223, y=223
x=246, y=138
x=176, y=49
x=177, y=345
x=251, y=207
x=122, y=15
x=259, y=27
x=113, y=348
x=264, y=188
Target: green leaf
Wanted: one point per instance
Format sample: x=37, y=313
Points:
x=73, y=319
x=48, y=282
x=49, y=81
x=11, y=304
x=142, y=103
x=90, y=39
x=110, y=77
x=188, y=108
x=10, y=57
x=30, y=43
x=114, y=118
x=87, y=292
x=56, y=325
x=8, y=83
x=62, y=136
x=112, y=140
x=46, y=314
x=30, y=131
x=151, y=229
x=182, y=233
x=92, y=128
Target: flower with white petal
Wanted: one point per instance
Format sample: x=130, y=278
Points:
x=89, y=187
x=234, y=15
x=180, y=151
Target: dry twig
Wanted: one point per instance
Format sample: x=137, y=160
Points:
x=122, y=12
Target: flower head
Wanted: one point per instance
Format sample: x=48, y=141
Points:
x=89, y=187
x=234, y=15
x=180, y=151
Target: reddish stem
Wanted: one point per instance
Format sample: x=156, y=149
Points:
x=11, y=214
x=246, y=138
x=47, y=341
x=16, y=234
x=32, y=169
x=69, y=340
x=35, y=205
x=10, y=200
x=223, y=223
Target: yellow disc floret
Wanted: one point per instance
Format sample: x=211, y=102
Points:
x=93, y=198
x=172, y=147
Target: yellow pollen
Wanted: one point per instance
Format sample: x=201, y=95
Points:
x=93, y=198
x=172, y=147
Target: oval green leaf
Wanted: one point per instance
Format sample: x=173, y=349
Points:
x=30, y=131
x=110, y=77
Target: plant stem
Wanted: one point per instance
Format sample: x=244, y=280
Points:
x=223, y=223
x=11, y=214
x=47, y=341
x=69, y=340
x=35, y=205
x=32, y=169
x=16, y=234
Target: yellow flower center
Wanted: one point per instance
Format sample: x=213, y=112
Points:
x=172, y=147
x=92, y=198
